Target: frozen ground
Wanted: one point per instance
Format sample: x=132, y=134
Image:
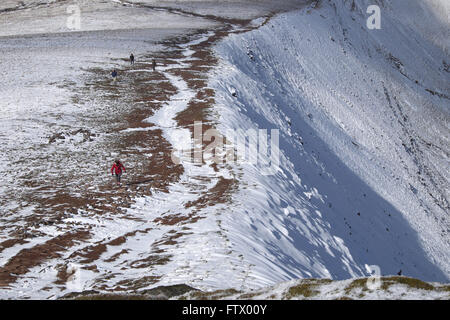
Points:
x=64, y=122
x=234, y=9
x=36, y=17
x=363, y=120
x=392, y=288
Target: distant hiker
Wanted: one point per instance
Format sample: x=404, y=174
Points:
x=114, y=74
x=117, y=170
x=131, y=59
x=154, y=64
x=250, y=54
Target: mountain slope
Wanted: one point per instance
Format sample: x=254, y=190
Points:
x=395, y=288
x=363, y=130
x=363, y=121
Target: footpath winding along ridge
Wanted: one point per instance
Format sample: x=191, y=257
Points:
x=77, y=211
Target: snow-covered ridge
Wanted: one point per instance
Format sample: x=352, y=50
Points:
x=388, y=288
x=363, y=118
x=384, y=288
x=65, y=16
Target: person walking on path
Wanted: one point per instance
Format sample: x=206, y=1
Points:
x=117, y=169
x=131, y=59
x=154, y=64
x=114, y=75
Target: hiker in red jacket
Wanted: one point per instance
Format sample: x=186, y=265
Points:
x=117, y=170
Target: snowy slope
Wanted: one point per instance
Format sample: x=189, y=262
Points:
x=384, y=288
x=388, y=288
x=363, y=122
x=234, y=9
x=57, y=16
x=363, y=119
x=67, y=88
